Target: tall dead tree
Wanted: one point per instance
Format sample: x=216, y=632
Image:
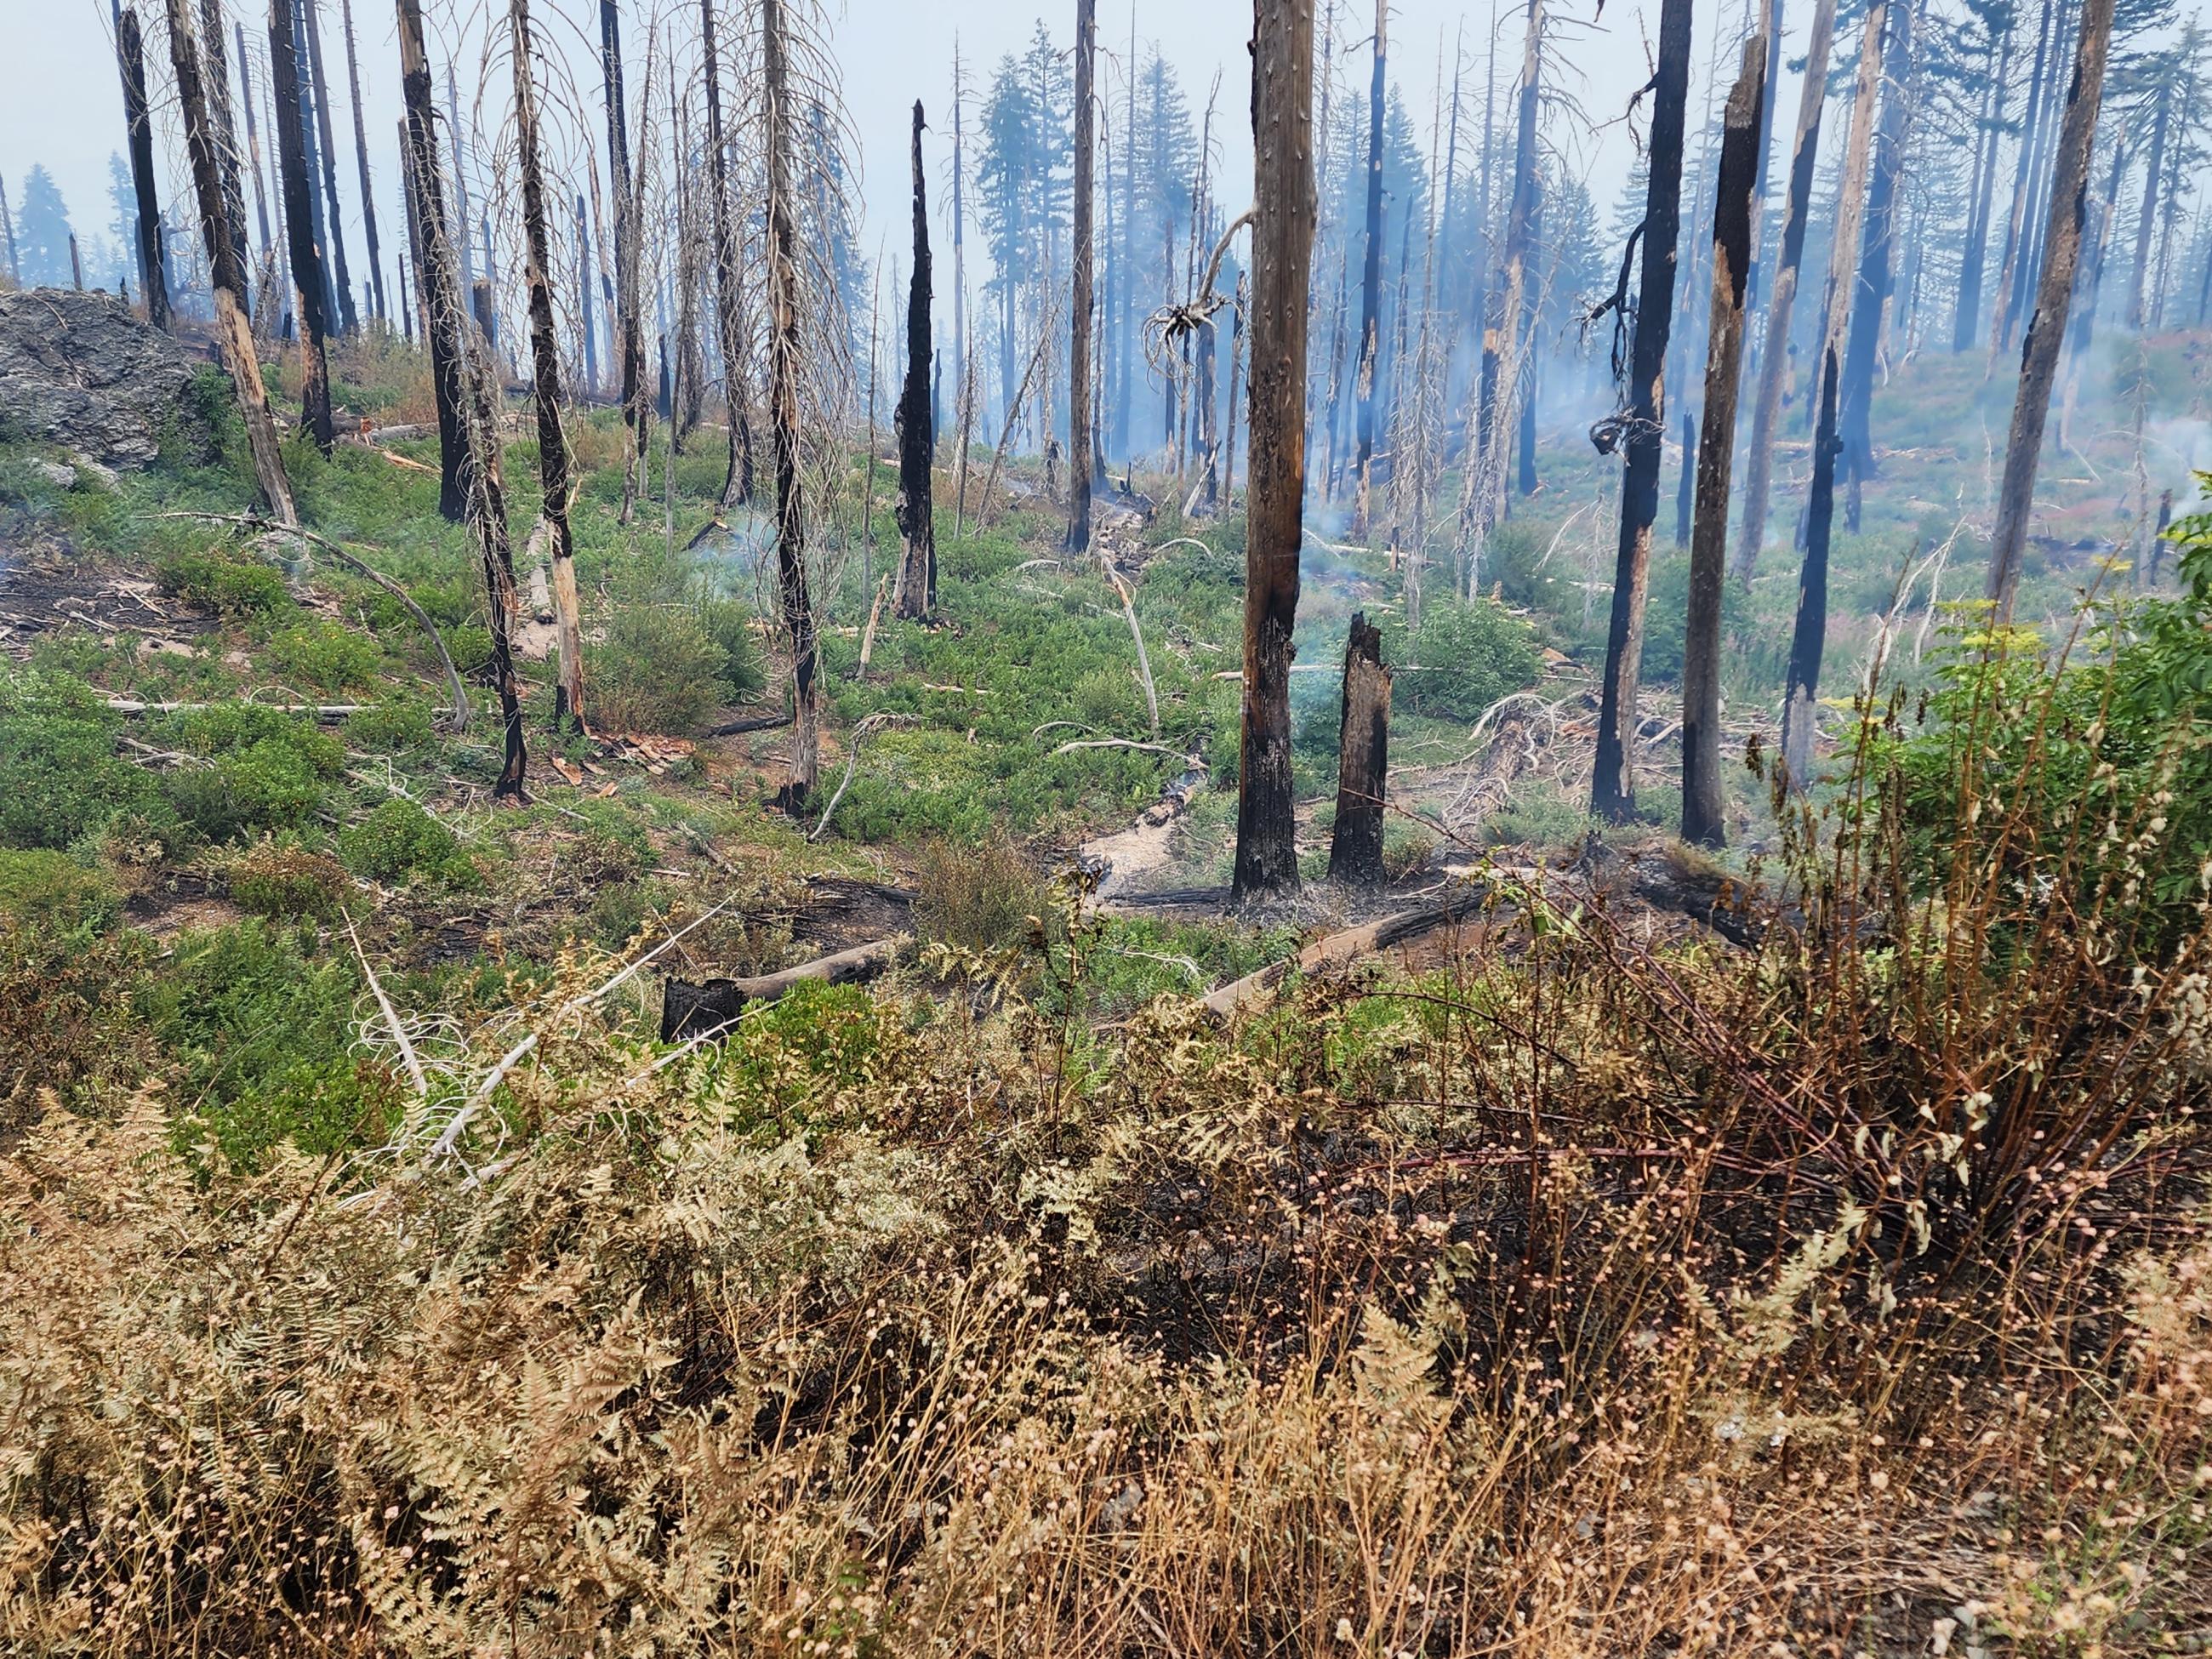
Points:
x=917, y=577
x=216, y=81
x=1735, y=207
x=253, y=143
x=451, y=340
x=1802, y=681
x=1643, y=422
x=436, y=284
x=586, y=328
x=545, y=370
x=361, y=156
x=1370, y=284
x=333, y=212
x=300, y=226
x=1363, y=768
x=1079, y=477
x=2046, y=327
x=131, y=46
x=2154, y=174
x=784, y=369
x=1286, y=210
x=226, y=271
x=1774, y=350
x=1503, y=334
x=729, y=275
x=1966, y=317
x=629, y=326
x=1870, y=285
x=2002, y=306
x=960, y=241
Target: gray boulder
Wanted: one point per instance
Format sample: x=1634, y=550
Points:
x=78, y=370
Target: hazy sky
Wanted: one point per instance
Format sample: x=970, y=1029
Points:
x=60, y=103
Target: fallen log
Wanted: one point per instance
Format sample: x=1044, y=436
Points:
x=1353, y=944
x=751, y=723
x=693, y=1010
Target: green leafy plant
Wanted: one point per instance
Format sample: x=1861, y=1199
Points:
x=398, y=842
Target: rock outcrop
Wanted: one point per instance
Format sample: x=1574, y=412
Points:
x=78, y=370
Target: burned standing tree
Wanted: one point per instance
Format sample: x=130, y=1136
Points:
x=1870, y=285
x=1642, y=423
x=153, y=273
x=729, y=276
x=1285, y=210
x=1774, y=350
x=253, y=150
x=785, y=370
x=333, y=221
x=487, y=491
x=1371, y=283
x=1802, y=680
x=361, y=156
x=1079, y=352
x=1736, y=204
x=436, y=286
x=226, y=271
x=917, y=576
x=545, y=368
x=1355, y=844
x=225, y=135
x=586, y=328
x=1503, y=340
x=2046, y=327
x=628, y=328
x=300, y=226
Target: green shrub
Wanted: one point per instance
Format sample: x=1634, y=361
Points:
x=401, y=842
x=214, y=579
x=60, y=777
x=262, y=769
x=324, y=658
x=285, y=882
x=658, y=670
x=51, y=891
x=390, y=726
x=261, y=1035
x=1463, y=658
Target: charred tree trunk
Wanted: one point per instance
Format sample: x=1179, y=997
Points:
x=361, y=157
x=486, y=486
x=2046, y=327
x=1502, y=330
x=152, y=267
x=1768, y=107
x=326, y=146
x=1282, y=259
x=414, y=229
x=917, y=577
x=1735, y=208
x=1686, y=488
x=1079, y=350
x=252, y=143
x=587, y=327
x=1870, y=285
x=1371, y=285
x=226, y=271
x=299, y=226
x=1613, y=785
x=2153, y=175
x=1809, y=638
x=784, y=369
x=1803, y=682
x=1966, y=325
x=2002, y=306
x=1235, y=384
x=545, y=370
x=224, y=133
x=1774, y=350
x=729, y=276
x=1355, y=845
x=436, y=282
x=464, y=243
x=629, y=327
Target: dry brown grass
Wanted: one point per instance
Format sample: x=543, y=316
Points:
x=1849, y=1296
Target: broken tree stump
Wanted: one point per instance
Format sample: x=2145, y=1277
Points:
x=1355, y=847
